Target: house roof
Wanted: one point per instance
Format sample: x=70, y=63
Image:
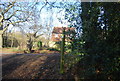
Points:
x=59, y=30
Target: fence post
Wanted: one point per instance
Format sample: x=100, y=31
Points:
x=62, y=52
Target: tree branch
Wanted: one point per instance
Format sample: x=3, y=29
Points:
x=10, y=6
x=5, y=28
x=17, y=22
x=38, y=35
x=46, y=2
x=1, y=18
x=35, y=33
x=11, y=15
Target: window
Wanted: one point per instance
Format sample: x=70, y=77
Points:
x=56, y=35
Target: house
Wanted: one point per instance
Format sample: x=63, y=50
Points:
x=57, y=35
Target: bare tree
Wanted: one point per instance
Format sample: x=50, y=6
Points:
x=12, y=13
x=32, y=37
x=34, y=29
x=18, y=12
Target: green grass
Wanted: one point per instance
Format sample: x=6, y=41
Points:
x=11, y=50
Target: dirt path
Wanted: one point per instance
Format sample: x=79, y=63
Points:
x=32, y=66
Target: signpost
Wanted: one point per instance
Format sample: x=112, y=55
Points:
x=62, y=52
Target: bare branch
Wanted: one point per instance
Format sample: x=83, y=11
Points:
x=39, y=35
x=46, y=2
x=10, y=6
x=1, y=18
x=35, y=33
x=52, y=4
x=5, y=28
x=11, y=15
x=17, y=22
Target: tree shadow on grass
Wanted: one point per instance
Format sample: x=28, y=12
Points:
x=50, y=69
x=40, y=67
x=11, y=63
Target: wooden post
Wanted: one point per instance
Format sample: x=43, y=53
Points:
x=1, y=39
x=62, y=52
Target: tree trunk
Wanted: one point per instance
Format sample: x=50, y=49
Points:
x=29, y=44
x=1, y=39
x=12, y=41
x=62, y=53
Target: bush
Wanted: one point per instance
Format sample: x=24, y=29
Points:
x=39, y=44
x=53, y=49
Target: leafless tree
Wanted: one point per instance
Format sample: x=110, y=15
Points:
x=12, y=13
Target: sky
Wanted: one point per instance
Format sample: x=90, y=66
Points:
x=55, y=15
x=45, y=16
